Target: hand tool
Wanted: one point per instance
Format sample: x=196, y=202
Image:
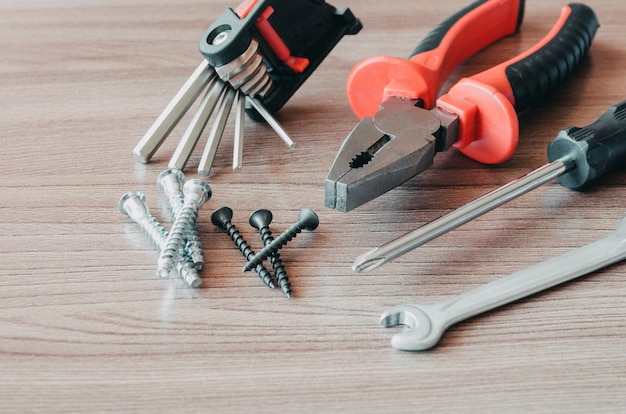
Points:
x=264, y=50
x=428, y=322
x=578, y=156
x=478, y=115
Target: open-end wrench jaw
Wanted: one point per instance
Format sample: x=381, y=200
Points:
x=422, y=332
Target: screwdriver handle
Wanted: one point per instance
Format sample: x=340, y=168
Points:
x=376, y=79
x=595, y=149
x=488, y=103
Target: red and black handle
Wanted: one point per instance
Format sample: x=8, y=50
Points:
x=487, y=103
x=374, y=80
x=437, y=36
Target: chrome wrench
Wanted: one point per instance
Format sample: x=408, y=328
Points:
x=427, y=322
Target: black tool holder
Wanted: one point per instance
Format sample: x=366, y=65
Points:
x=309, y=29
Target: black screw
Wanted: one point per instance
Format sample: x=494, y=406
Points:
x=307, y=220
x=222, y=218
x=261, y=220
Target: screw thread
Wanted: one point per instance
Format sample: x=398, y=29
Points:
x=277, y=263
x=158, y=235
x=188, y=273
x=274, y=246
x=185, y=267
x=195, y=250
x=177, y=239
x=176, y=201
x=153, y=229
x=194, y=243
x=238, y=239
x=247, y=252
x=172, y=181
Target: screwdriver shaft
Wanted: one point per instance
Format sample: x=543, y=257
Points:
x=389, y=251
x=173, y=112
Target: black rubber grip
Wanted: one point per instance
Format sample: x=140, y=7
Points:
x=539, y=74
x=594, y=149
x=433, y=39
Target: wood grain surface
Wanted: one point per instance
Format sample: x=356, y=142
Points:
x=85, y=325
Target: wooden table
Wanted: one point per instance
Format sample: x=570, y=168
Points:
x=86, y=326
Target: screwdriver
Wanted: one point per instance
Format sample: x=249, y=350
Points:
x=577, y=156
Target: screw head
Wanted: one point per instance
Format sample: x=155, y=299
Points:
x=308, y=219
x=171, y=180
x=222, y=216
x=198, y=190
x=221, y=37
x=261, y=218
x=133, y=204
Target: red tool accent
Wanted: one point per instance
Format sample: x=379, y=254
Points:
x=271, y=37
x=265, y=28
x=374, y=80
x=245, y=7
x=485, y=103
x=478, y=115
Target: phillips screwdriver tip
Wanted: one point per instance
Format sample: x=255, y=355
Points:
x=369, y=261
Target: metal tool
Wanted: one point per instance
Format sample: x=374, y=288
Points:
x=222, y=218
x=260, y=220
x=478, y=115
x=578, y=156
x=196, y=194
x=264, y=50
x=428, y=322
x=307, y=220
x=133, y=205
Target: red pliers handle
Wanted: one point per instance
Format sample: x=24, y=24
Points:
x=487, y=103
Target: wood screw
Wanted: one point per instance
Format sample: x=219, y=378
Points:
x=261, y=220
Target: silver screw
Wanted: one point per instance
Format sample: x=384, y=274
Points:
x=196, y=193
x=133, y=205
x=171, y=182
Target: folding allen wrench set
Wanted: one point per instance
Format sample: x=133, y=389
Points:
x=255, y=58
x=258, y=55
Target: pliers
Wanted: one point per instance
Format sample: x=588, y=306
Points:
x=478, y=115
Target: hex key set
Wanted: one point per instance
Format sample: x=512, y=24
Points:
x=255, y=58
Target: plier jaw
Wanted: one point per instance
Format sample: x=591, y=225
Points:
x=382, y=152
x=478, y=114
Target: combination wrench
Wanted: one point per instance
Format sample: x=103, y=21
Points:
x=427, y=322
